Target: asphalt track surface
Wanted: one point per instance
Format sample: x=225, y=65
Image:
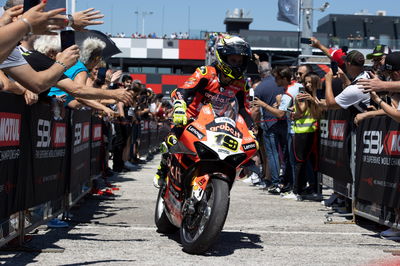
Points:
x=260, y=229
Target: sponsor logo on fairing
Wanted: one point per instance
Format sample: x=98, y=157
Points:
x=225, y=127
x=195, y=131
x=249, y=146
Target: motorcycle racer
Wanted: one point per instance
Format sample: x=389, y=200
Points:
x=217, y=84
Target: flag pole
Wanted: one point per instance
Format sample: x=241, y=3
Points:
x=298, y=26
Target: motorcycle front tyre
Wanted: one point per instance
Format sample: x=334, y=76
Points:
x=215, y=223
x=161, y=220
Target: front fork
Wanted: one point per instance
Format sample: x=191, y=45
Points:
x=198, y=187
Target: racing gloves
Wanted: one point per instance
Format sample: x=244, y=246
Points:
x=179, y=115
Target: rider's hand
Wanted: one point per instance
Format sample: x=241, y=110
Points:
x=179, y=116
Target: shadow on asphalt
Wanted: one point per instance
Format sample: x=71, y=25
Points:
x=228, y=242
x=86, y=212
x=96, y=261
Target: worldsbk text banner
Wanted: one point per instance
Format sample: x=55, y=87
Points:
x=335, y=145
x=14, y=159
x=378, y=161
x=48, y=128
x=80, y=148
x=97, y=152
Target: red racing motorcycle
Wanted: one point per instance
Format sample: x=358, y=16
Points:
x=203, y=166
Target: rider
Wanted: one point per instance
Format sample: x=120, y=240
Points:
x=219, y=82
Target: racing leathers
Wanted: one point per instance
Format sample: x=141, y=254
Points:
x=202, y=87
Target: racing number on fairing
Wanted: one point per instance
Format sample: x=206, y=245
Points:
x=230, y=143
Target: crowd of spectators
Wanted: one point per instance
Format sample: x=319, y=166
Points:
x=136, y=35
x=33, y=64
x=290, y=101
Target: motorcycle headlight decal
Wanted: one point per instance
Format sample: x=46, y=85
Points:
x=205, y=152
x=235, y=159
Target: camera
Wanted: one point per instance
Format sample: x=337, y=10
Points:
x=334, y=67
x=305, y=40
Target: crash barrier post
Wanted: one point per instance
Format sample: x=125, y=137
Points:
x=363, y=164
x=377, y=179
x=152, y=134
x=337, y=157
x=49, y=156
x=335, y=145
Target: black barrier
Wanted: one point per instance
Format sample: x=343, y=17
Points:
x=335, y=148
x=80, y=149
x=378, y=162
x=144, y=138
x=163, y=129
x=13, y=156
x=97, y=148
x=47, y=180
x=47, y=153
x=153, y=136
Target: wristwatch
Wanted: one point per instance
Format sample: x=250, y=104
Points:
x=70, y=20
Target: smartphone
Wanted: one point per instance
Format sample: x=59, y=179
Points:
x=101, y=75
x=251, y=94
x=334, y=67
x=67, y=39
x=305, y=40
x=28, y=4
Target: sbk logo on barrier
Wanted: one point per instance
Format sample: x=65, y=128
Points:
x=337, y=129
x=43, y=133
x=60, y=135
x=333, y=129
x=96, y=132
x=81, y=133
x=10, y=129
x=57, y=138
x=374, y=142
x=392, y=143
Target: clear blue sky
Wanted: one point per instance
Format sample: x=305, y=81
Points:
x=209, y=15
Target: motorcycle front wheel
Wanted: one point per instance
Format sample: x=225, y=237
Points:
x=160, y=218
x=199, y=231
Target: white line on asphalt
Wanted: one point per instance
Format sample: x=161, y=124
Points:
x=139, y=228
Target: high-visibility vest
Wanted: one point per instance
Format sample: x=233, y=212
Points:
x=305, y=124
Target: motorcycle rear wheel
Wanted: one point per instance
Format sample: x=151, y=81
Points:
x=161, y=220
x=199, y=239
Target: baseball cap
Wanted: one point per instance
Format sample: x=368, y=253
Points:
x=392, y=61
x=337, y=55
x=354, y=57
x=379, y=50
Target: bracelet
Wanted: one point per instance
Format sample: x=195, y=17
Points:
x=62, y=64
x=380, y=103
x=27, y=23
x=70, y=20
